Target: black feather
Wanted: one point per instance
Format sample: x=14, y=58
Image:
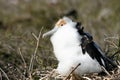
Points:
x=94, y=51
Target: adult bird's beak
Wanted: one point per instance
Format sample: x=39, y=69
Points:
x=49, y=33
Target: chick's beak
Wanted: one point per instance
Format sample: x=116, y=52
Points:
x=49, y=33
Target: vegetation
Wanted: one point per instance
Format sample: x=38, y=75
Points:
x=22, y=20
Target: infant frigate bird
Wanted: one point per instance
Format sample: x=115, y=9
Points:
x=73, y=46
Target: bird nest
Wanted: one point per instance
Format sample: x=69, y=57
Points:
x=111, y=75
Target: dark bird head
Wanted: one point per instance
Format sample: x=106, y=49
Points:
x=72, y=13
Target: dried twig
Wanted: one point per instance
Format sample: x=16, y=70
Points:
x=35, y=36
x=115, y=53
x=73, y=69
x=0, y=76
x=105, y=71
x=35, y=52
x=118, y=62
x=87, y=78
x=4, y=73
x=111, y=38
x=19, y=50
x=49, y=75
x=112, y=44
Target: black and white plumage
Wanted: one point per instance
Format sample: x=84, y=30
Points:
x=73, y=46
x=89, y=46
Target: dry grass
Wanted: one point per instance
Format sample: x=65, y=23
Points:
x=115, y=75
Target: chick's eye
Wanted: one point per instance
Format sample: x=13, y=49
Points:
x=61, y=24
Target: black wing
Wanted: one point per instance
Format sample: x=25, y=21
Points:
x=95, y=52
